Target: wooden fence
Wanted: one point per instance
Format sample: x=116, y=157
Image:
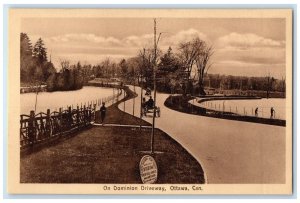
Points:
x=40, y=127
x=36, y=128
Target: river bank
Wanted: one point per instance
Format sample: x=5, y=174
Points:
x=183, y=104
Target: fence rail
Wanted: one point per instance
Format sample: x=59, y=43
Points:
x=36, y=128
x=258, y=111
x=39, y=127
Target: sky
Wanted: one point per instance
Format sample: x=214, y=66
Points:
x=250, y=47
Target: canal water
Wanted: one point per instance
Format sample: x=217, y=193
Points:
x=63, y=99
x=247, y=107
x=229, y=151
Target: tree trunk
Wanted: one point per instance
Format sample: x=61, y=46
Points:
x=201, y=87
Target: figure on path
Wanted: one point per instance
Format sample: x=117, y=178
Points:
x=102, y=112
x=256, y=111
x=150, y=103
x=272, y=112
x=143, y=104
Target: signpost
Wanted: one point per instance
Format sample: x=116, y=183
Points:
x=148, y=170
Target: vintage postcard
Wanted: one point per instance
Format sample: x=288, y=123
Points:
x=150, y=101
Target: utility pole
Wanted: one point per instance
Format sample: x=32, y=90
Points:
x=154, y=86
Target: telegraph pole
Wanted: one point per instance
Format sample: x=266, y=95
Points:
x=154, y=85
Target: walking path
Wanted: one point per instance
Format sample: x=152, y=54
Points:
x=229, y=151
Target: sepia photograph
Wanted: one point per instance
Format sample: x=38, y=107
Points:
x=150, y=101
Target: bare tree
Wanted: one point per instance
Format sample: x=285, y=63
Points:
x=189, y=51
x=64, y=64
x=106, y=64
x=202, y=63
x=146, y=57
x=196, y=52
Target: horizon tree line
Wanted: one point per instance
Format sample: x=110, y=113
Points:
x=184, y=70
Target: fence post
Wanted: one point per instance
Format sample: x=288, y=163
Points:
x=61, y=126
x=90, y=113
x=31, y=128
x=95, y=108
x=70, y=117
x=84, y=114
x=48, y=124
x=77, y=116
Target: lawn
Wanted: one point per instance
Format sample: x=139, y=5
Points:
x=103, y=154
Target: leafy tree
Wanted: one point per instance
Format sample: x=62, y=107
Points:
x=60, y=82
x=38, y=75
x=78, y=78
x=48, y=70
x=51, y=82
x=168, y=71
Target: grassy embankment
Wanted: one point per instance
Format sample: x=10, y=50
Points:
x=181, y=104
x=110, y=155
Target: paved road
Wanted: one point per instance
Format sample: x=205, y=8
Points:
x=229, y=151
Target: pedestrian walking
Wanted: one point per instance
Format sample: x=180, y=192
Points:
x=256, y=111
x=102, y=112
x=143, y=112
x=272, y=112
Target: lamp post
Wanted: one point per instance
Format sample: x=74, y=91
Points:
x=141, y=83
x=154, y=84
x=154, y=87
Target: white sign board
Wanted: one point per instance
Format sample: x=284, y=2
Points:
x=148, y=169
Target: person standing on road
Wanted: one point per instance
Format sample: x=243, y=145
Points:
x=102, y=112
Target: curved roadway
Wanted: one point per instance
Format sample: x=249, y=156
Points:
x=229, y=151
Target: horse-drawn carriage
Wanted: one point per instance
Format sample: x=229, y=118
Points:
x=149, y=108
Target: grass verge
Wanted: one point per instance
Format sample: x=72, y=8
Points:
x=110, y=155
